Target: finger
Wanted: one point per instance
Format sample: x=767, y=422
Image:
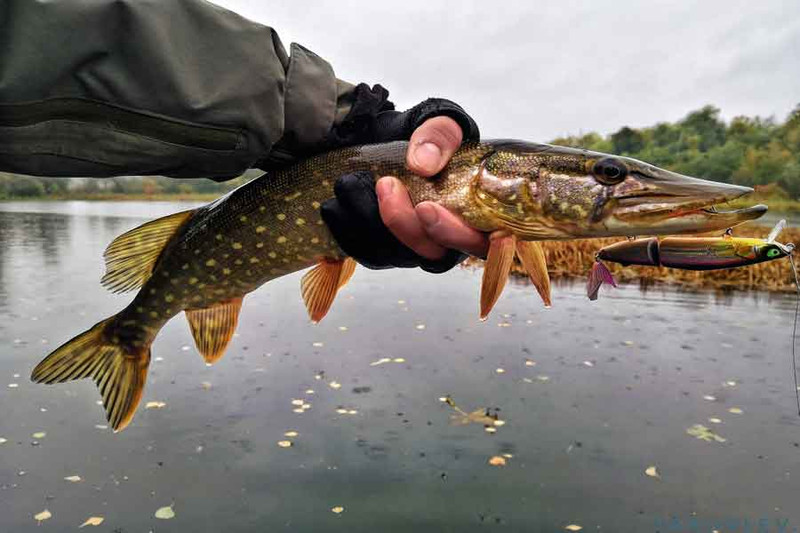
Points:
x=432, y=145
x=399, y=216
x=450, y=231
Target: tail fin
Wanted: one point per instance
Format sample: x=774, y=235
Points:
x=118, y=370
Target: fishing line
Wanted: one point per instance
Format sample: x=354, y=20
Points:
x=794, y=333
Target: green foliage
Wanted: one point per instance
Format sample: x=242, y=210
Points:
x=748, y=151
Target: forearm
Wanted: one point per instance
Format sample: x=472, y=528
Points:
x=179, y=88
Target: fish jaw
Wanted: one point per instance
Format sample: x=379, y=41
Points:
x=543, y=192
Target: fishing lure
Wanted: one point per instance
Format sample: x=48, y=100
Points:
x=687, y=253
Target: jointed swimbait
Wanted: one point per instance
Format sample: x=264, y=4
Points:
x=688, y=253
x=204, y=261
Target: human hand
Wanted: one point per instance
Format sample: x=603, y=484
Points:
x=428, y=229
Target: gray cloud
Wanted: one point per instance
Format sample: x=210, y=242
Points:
x=536, y=70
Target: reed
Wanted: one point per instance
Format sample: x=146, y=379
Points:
x=573, y=259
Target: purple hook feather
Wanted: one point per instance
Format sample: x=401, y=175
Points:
x=597, y=276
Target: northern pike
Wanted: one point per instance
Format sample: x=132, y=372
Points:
x=688, y=253
x=205, y=260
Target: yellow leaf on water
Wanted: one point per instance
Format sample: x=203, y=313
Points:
x=3, y=441
x=735, y=410
x=529, y=362
x=291, y=434
x=497, y=460
x=44, y=515
x=298, y=402
x=652, y=471
x=73, y=479
x=715, y=420
x=337, y=510
x=155, y=405
x=165, y=513
x=701, y=432
x=573, y=527
x=398, y=360
x=335, y=385
x=380, y=361
x=490, y=429
x=39, y=435
x=92, y=521
x=500, y=370
x=299, y=410
x=285, y=443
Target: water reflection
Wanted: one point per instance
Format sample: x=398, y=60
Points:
x=591, y=394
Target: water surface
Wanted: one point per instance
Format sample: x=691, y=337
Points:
x=592, y=394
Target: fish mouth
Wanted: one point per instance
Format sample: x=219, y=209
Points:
x=675, y=204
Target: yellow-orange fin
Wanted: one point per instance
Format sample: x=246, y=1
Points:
x=130, y=258
x=213, y=328
x=496, y=270
x=320, y=285
x=118, y=370
x=531, y=255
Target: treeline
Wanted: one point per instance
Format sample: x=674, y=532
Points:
x=16, y=186
x=747, y=151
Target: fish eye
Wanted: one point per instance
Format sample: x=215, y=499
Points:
x=773, y=252
x=609, y=171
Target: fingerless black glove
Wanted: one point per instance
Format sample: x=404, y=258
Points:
x=355, y=221
x=353, y=216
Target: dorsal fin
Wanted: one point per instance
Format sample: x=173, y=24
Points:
x=320, y=285
x=130, y=258
x=213, y=327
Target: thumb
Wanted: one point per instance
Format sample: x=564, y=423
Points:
x=432, y=145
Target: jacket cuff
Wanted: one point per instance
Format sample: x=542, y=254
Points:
x=310, y=98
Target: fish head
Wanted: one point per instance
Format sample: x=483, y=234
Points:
x=767, y=251
x=542, y=192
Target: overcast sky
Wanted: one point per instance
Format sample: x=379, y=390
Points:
x=539, y=69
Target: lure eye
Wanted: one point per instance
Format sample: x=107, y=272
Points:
x=773, y=252
x=609, y=171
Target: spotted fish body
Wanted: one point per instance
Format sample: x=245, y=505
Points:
x=204, y=261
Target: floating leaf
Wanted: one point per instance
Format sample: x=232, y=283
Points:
x=529, y=362
x=44, y=515
x=291, y=434
x=703, y=433
x=380, y=361
x=490, y=429
x=3, y=441
x=715, y=420
x=500, y=370
x=73, y=479
x=92, y=521
x=299, y=410
x=318, y=344
x=309, y=391
x=206, y=385
x=335, y=385
x=165, y=513
x=710, y=398
x=573, y=527
x=398, y=360
x=652, y=471
x=13, y=385
x=338, y=509
x=499, y=423
x=39, y=435
x=497, y=460
x=285, y=443
x=507, y=455
x=155, y=405
x=298, y=402
x=543, y=378
x=730, y=383
x=735, y=410
x=342, y=328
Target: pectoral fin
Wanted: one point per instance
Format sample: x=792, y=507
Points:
x=496, y=270
x=213, y=328
x=320, y=285
x=531, y=255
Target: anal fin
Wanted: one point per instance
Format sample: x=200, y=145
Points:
x=531, y=255
x=213, y=328
x=496, y=270
x=320, y=285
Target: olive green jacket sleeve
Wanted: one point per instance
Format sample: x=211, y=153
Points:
x=178, y=88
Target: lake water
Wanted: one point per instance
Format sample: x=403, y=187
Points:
x=592, y=394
